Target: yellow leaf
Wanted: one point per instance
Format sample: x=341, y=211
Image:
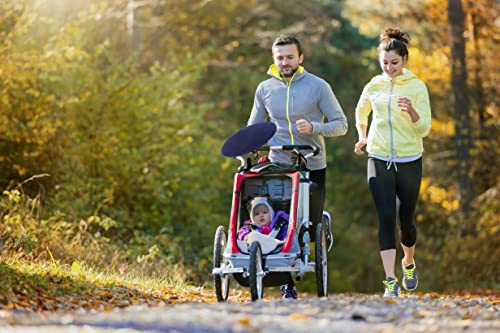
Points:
x=244, y=320
x=75, y=266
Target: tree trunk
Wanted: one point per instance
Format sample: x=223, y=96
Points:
x=479, y=94
x=132, y=29
x=462, y=114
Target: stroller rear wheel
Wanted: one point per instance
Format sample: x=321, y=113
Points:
x=256, y=270
x=321, y=260
x=221, y=282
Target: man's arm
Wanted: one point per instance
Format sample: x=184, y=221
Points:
x=336, y=124
x=259, y=112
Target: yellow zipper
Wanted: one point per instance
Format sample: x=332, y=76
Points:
x=287, y=114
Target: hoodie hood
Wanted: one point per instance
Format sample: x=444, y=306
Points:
x=261, y=201
x=274, y=71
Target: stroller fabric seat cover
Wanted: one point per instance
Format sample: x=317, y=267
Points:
x=248, y=139
x=267, y=243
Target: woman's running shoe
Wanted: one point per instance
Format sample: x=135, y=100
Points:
x=391, y=287
x=410, y=278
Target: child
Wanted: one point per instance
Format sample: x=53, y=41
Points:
x=263, y=219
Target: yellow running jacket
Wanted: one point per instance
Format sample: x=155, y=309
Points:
x=392, y=134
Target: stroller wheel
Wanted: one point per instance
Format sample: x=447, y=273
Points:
x=221, y=282
x=256, y=270
x=321, y=260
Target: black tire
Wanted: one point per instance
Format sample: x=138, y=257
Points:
x=256, y=270
x=321, y=260
x=221, y=282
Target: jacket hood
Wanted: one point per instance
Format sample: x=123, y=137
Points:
x=407, y=75
x=274, y=72
x=261, y=201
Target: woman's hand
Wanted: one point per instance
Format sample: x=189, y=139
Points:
x=303, y=126
x=359, y=145
x=405, y=105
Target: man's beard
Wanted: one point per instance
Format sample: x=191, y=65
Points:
x=292, y=72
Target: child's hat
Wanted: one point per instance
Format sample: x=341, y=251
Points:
x=257, y=201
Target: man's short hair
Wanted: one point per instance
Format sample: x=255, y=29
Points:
x=288, y=40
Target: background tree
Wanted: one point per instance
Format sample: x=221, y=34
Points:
x=461, y=99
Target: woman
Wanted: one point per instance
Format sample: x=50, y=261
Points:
x=401, y=118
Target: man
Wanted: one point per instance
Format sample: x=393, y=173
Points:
x=298, y=102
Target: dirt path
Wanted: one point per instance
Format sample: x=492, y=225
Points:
x=338, y=313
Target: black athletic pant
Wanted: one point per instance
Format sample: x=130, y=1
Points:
x=385, y=185
x=317, y=197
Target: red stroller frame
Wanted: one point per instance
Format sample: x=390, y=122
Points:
x=238, y=180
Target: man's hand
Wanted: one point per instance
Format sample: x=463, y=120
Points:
x=304, y=126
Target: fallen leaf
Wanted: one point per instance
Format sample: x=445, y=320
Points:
x=244, y=321
x=299, y=316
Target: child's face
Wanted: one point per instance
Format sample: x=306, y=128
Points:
x=261, y=215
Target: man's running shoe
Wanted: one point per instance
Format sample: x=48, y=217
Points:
x=410, y=279
x=391, y=287
x=327, y=221
x=288, y=291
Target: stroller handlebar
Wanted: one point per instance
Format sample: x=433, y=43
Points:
x=296, y=148
x=301, y=160
x=315, y=150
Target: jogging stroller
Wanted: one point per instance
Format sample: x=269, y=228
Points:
x=266, y=261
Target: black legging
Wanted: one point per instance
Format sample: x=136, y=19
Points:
x=385, y=185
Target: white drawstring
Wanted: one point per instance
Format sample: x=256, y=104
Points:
x=390, y=162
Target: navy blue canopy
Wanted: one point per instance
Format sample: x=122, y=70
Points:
x=248, y=139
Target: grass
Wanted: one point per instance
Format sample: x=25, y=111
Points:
x=51, y=286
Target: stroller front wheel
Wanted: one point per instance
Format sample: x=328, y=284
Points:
x=221, y=282
x=256, y=270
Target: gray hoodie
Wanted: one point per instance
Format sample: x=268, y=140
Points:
x=305, y=97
